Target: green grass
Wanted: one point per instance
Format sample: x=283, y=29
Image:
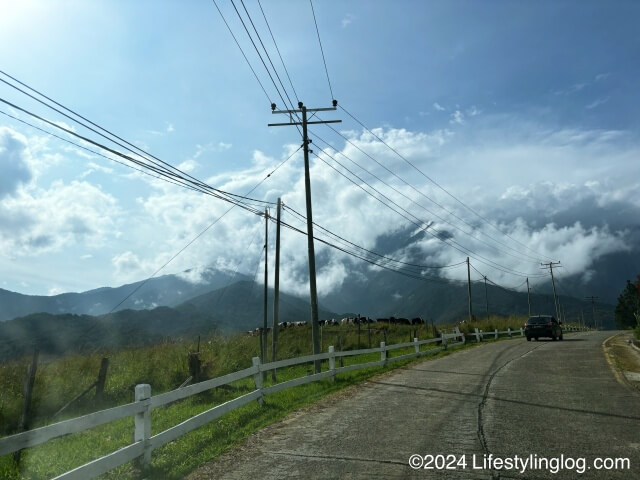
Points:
x=164, y=367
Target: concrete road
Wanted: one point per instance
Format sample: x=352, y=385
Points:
x=556, y=404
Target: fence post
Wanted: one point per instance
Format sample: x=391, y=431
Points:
x=102, y=377
x=496, y=337
x=521, y=332
x=332, y=363
x=257, y=378
x=477, y=335
x=142, y=431
x=481, y=335
x=383, y=354
x=444, y=341
x=415, y=343
x=509, y=331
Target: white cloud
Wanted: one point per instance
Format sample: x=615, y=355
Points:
x=457, y=117
x=597, y=102
x=347, y=20
x=15, y=162
x=438, y=107
x=36, y=221
x=170, y=128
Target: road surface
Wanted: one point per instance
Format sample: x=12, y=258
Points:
x=556, y=404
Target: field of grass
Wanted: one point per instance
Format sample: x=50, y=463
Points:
x=164, y=367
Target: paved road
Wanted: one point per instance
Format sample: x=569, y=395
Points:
x=512, y=398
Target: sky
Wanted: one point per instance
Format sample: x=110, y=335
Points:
x=525, y=113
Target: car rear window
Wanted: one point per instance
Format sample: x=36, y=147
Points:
x=538, y=320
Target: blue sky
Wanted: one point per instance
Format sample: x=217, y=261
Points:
x=527, y=111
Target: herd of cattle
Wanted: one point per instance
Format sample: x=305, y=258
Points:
x=347, y=321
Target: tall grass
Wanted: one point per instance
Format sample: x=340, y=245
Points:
x=165, y=367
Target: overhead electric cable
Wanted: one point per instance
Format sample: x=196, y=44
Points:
x=278, y=50
x=438, y=185
x=199, y=186
x=97, y=153
x=418, y=222
x=419, y=192
x=419, y=204
x=157, y=162
x=243, y=54
x=383, y=257
x=321, y=49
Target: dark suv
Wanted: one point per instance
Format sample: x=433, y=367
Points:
x=542, y=326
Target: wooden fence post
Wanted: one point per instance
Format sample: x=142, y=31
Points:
x=477, y=335
x=383, y=354
x=142, y=431
x=369, y=331
x=509, y=330
x=496, y=337
x=102, y=378
x=415, y=343
x=332, y=363
x=521, y=332
x=257, y=378
x=340, y=349
x=443, y=341
x=27, y=394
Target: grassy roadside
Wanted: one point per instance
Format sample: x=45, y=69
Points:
x=164, y=368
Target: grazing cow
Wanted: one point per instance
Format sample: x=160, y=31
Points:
x=417, y=321
x=300, y=324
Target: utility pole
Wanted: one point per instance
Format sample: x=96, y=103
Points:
x=593, y=310
x=553, y=285
x=276, y=295
x=315, y=326
x=528, y=296
x=266, y=288
x=486, y=296
x=469, y=290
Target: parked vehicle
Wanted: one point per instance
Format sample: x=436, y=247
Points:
x=542, y=326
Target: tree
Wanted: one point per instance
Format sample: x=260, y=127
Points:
x=628, y=308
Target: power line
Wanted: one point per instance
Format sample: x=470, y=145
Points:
x=97, y=153
x=198, y=186
x=278, y=50
x=418, y=222
x=242, y=51
x=438, y=185
x=157, y=164
x=321, y=49
x=267, y=53
x=382, y=257
x=419, y=192
x=258, y=52
x=413, y=201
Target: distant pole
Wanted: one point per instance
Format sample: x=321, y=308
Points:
x=593, y=310
x=469, y=290
x=529, y=296
x=266, y=287
x=486, y=296
x=553, y=285
x=276, y=294
x=293, y=114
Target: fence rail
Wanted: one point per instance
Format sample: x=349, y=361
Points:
x=144, y=443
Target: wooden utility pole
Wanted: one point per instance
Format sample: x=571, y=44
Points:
x=27, y=395
x=469, y=289
x=553, y=285
x=266, y=289
x=486, y=296
x=315, y=326
x=593, y=310
x=276, y=294
x=528, y=296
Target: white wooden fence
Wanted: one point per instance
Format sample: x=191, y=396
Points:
x=144, y=444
